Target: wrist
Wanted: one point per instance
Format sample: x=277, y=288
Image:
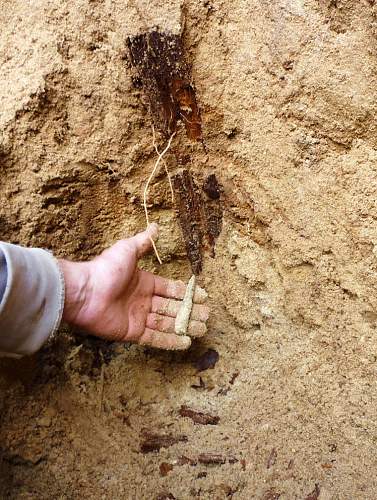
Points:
x=76, y=283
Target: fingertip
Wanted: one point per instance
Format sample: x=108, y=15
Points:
x=200, y=295
x=183, y=343
x=196, y=329
x=166, y=341
x=200, y=313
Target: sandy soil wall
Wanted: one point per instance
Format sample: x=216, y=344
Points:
x=287, y=93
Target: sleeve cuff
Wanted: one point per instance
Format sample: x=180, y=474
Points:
x=32, y=304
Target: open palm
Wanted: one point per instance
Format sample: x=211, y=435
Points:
x=116, y=300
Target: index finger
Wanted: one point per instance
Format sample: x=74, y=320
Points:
x=176, y=289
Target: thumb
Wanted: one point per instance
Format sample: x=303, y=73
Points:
x=143, y=241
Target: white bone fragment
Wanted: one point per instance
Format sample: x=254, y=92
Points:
x=183, y=316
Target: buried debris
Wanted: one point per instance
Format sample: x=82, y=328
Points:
x=198, y=416
x=165, y=77
x=201, y=459
x=200, y=217
x=154, y=442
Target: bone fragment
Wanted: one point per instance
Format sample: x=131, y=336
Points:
x=183, y=316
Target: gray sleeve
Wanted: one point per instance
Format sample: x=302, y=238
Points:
x=31, y=305
x=3, y=275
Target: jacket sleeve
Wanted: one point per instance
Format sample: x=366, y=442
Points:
x=31, y=299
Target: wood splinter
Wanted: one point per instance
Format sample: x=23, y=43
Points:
x=183, y=316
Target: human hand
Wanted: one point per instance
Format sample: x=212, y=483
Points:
x=112, y=298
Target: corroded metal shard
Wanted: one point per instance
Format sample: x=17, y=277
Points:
x=165, y=77
x=189, y=207
x=200, y=215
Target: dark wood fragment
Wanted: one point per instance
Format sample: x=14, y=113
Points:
x=165, y=468
x=154, y=442
x=207, y=360
x=314, y=495
x=211, y=458
x=198, y=416
x=201, y=475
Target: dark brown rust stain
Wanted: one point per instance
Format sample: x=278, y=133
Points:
x=200, y=215
x=165, y=76
x=188, y=110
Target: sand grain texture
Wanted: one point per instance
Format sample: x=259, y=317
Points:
x=287, y=92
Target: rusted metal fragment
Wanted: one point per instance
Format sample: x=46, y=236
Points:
x=154, y=442
x=200, y=215
x=198, y=417
x=165, y=76
x=189, y=206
